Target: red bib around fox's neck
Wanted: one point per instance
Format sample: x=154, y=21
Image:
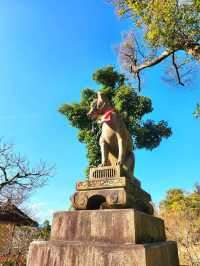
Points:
x=107, y=115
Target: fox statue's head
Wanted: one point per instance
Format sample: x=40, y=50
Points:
x=100, y=105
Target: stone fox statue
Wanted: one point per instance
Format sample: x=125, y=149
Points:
x=115, y=140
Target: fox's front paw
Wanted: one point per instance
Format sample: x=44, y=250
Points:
x=102, y=164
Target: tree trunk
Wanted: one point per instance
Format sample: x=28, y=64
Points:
x=194, y=50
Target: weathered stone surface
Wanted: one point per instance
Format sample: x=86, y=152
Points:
x=110, y=226
x=101, y=183
x=114, y=182
x=107, y=188
x=64, y=253
x=104, y=238
x=105, y=172
x=112, y=198
x=115, y=197
x=110, y=172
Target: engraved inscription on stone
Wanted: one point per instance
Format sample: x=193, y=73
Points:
x=101, y=183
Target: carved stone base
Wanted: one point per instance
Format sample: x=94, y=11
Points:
x=109, y=226
x=104, y=238
x=106, y=188
x=115, y=198
x=65, y=253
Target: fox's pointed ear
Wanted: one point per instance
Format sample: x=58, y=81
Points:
x=99, y=95
x=99, y=98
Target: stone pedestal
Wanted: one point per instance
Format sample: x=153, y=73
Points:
x=109, y=187
x=123, y=237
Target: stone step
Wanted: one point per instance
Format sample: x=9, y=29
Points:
x=111, y=225
x=72, y=253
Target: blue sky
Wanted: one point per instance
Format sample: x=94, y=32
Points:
x=48, y=51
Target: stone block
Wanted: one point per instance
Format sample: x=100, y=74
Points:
x=102, y=183
x=110, y=173
x=110, y=226
x=113, y=198
x=65, y=253
x=108, y=187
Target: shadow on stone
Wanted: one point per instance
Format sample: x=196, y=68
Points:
x=95, y=202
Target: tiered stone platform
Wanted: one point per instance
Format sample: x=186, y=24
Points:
x=105, y=238
x=112, y=225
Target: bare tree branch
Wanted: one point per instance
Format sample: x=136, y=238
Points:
x=134, y=58
x=3, y=169
x=16, y=174
x=177, y=70
x=153, y=62
x=139, y=81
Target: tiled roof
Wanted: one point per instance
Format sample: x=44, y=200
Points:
x=11, y=214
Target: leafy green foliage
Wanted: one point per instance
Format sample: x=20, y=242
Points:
x=161, y=29
x=44, y=232
x=150, y=134
x=166, y=23
x=11, y=263
x=197, y=111
x=178, y=200
x=108, y=77
x=181, y=210
x=132, y=107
